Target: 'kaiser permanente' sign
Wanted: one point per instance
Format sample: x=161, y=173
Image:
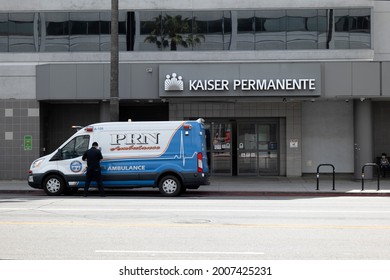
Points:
x=255, y=85
x=292, y=79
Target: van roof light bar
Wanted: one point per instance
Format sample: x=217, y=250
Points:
x=77, y=127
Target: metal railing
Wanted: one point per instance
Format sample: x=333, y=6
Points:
x=318, y=175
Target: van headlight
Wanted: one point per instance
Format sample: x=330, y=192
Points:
x=36, y=163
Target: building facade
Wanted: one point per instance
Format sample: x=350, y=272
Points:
x=283, y=86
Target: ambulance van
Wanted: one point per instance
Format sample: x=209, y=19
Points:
x=170, y=156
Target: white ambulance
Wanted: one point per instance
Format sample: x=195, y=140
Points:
x=167, y=155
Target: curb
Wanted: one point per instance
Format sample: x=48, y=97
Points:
x=224, y=193
x=303, y=194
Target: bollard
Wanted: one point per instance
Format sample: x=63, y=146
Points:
x=378, y=171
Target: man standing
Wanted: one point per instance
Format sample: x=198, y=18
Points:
x=93, y=157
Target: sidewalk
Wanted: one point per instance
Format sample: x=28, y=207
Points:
x=261, y=186
x=297, y=186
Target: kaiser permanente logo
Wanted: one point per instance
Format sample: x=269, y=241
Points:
x=175, y=83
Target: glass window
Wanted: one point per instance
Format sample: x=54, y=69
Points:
x=302, y=29
x=75, y=148
x=150, y=27
x=177, y=30
x=187, y=30
x=227, y=30
x=341, y=28
x=105, y=31
x=208, y=30
x=270, y=30
x=221, y=148
x=323, y=38
x=3, y=32
x=84, y=31
x=21, y=32
x=56, y=38
x=359, y=28
x=245, y=30
x=168, y=31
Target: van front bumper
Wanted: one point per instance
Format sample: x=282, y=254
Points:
x=35, y=180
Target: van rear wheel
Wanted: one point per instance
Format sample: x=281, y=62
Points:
x=53, y=185
x=170, y=186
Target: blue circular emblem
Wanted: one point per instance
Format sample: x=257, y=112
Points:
x=76, y=166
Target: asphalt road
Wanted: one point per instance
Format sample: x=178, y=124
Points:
x=190, y=228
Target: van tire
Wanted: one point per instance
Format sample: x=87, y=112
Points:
x=170, y=186
x=53, y=185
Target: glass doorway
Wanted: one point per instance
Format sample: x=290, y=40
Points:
x=258, y=148
x=244, y=147
x=221, y=148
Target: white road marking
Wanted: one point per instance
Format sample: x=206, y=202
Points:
x=198, y=210
x=178, y=252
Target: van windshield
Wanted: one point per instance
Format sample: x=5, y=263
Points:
x=76, y=147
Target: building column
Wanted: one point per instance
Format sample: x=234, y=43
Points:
x=104, y=111
x=363, y=136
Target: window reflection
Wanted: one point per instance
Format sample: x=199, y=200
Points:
x=56, y=38
x=105, y=31
x=148, y=24
x=21, y=32
x=209, y=26
x=3, y=32
x=270, y=30
x=302, y=29
x=187, y=30
x=80, y=32
x=84, y=30
x=245, y=30
x=227, y=30
x=359, y=27
x=341, y=34
x=177, y=31
x=323, y=35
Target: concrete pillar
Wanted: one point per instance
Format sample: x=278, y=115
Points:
x=363, y=136
x=104, y=111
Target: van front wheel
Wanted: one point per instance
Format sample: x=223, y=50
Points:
x=53, y=185
x=170, y=186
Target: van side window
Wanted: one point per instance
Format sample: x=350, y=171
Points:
x=76, y=147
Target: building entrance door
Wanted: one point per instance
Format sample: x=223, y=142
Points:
x=257, y=148
x=244, y=147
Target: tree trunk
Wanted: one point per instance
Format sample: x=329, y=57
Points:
x=114, y=89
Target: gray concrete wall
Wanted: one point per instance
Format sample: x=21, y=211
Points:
x=17, y=81
x=340, y=80
x=380, y=30
x=18, y=118
x=92, y=81
x=327, y=133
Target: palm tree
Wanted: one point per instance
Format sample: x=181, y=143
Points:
x=171, y=31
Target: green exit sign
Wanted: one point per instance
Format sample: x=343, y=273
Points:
x=27, y=142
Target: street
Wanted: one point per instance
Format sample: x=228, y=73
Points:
x=149, y=227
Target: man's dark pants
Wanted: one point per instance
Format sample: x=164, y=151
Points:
x=94, y=175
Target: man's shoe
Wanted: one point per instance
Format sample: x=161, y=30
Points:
x=85, y=195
